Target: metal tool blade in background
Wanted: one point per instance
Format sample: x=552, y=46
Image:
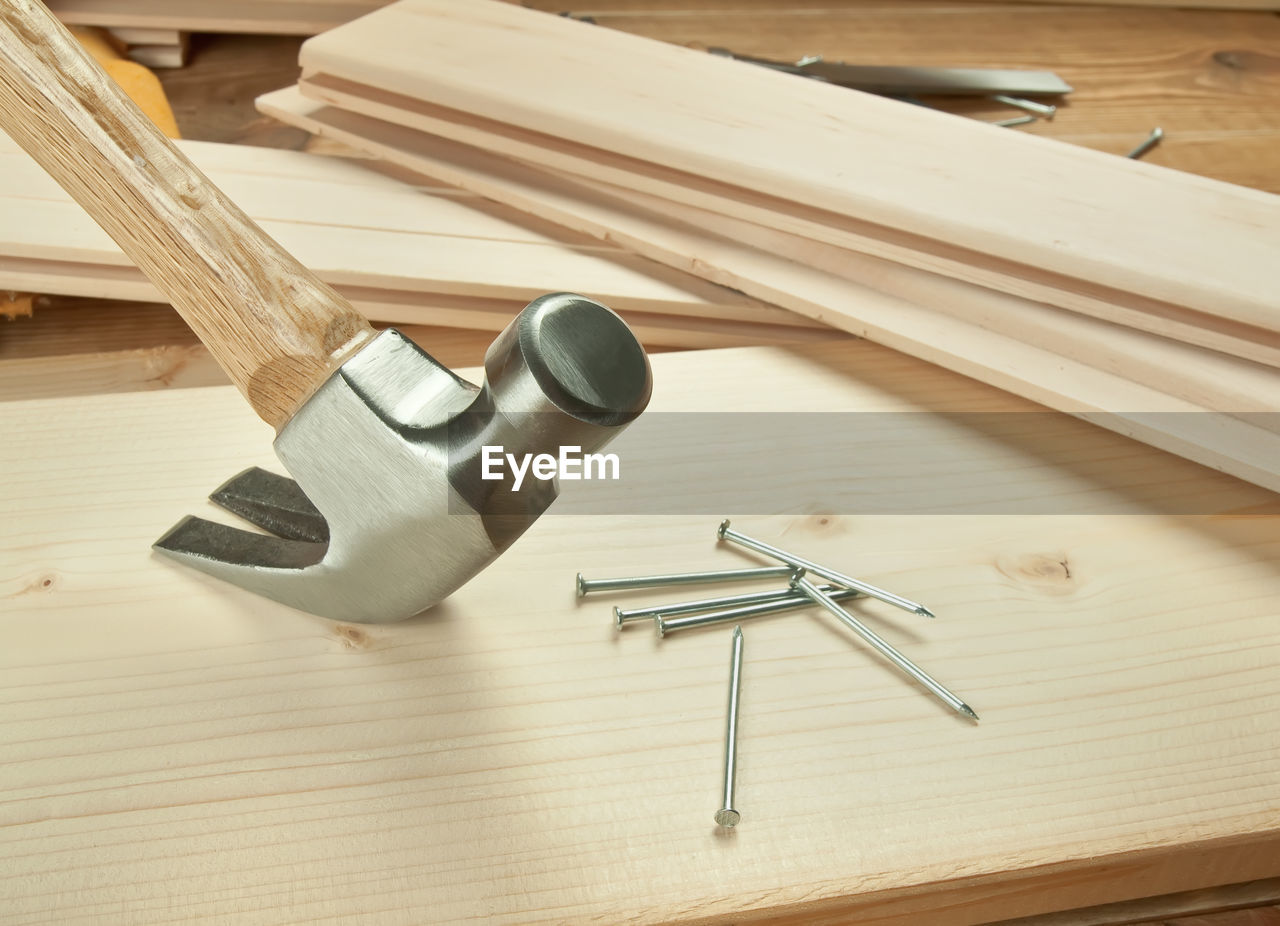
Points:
x=895, y=80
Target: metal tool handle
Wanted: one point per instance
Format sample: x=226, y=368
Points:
x=273, y=326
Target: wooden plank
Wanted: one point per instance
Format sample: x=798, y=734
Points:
x=286, y=17
x=232, y=759
x=162, y=54
x=148, y=36
x=1206, y=378
x=993, y=356
x=851, y=233
x=1219, y=903
x=424, y=308
x=1216, y=381
x=55, y=234
x=373, y=235
x=94, y=347
x=159, y=56
x=1205, y=78
x=944, y=192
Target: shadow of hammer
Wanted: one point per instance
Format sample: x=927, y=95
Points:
x=389, y=513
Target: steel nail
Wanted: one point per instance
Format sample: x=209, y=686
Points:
x=724, y=533
x=798, y=581
x=621, y=616
x=586, y=586
x=1040, y=109
x=727, y=815
x=1016, y=120
x=665, y=625
x=1150, y=142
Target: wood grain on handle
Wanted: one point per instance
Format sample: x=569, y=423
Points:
x=276, y=329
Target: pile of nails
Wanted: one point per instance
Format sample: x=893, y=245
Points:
x=800, y=592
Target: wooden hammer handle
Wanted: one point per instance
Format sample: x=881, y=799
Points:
x=277, y=330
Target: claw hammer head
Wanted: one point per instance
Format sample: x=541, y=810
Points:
x=389, y=513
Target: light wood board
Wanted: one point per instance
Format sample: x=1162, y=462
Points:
x=1239, y=447
x=93, y=347
x=613, y=213
x=287, y=17
x=849, y=232
x=175, y=749
x=148, y=36
x=360, y=232
x=419, y=308
x=160, y=56
x=1186, y=241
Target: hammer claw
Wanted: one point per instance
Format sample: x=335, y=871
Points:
x=196, y=539
x=274, y=503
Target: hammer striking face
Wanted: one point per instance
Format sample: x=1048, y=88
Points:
x=389, y=513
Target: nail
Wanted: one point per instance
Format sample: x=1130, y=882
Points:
x=665, y=625
x=1151, y=141
x=798, y=581
x=726, y=815
x=1016, y=120
x=724, y=533
x=1031, y=106
x=702, y=604
x=586, y=586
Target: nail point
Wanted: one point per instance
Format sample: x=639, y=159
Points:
x=968, y=712
x=925, y=612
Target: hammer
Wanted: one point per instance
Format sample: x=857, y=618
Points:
x=391, y=511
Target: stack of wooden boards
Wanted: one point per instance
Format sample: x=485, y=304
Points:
x=286, y=17
x=402, y=254
x=155, y=48
x=1093, y=284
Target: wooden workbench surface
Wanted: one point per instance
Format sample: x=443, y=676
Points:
x=177, y=749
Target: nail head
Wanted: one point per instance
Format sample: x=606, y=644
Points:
x=727, y=817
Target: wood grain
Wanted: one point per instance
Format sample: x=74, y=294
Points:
x=1216, y=381
x=1209, y=79
x=850, y=232
x=991, y=354
x=730, y=130
x=356, y=227
x=95, y=347
x=516, y=761
x=274, y=327
x=289, y=17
